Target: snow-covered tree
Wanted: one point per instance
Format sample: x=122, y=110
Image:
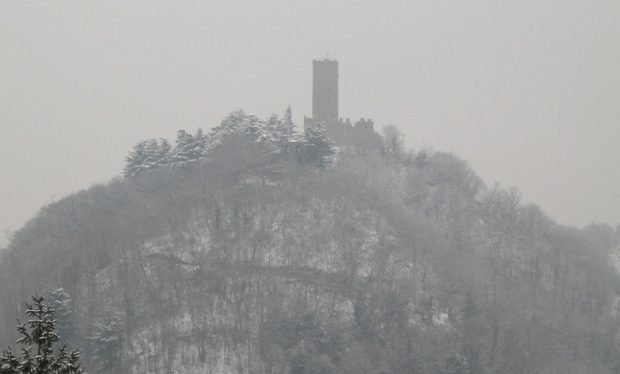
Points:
x=287, y=127
x=135, y=160
x=201, y=143
x=38, y=336
x=283, y=131
x=189, y=148
x=163, y=152
x=63, y=307
x=255, y=128
x=233, y=124
x=317, y=148
x=273, y=123
x=246, y=125
x=183, y=148
x=147, y=155
x=106, y=342
x=276, y=134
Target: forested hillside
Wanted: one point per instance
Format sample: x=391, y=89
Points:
x=253, y=248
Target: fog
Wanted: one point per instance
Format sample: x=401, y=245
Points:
x=526, y=91
x=310, y=187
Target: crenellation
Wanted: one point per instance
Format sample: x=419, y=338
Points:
x=325, y=111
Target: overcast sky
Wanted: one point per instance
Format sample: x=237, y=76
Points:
x=527, y=91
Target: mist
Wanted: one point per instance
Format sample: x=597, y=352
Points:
x=311, y=187
x=526, y=92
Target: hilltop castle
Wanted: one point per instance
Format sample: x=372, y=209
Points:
x=325, y=110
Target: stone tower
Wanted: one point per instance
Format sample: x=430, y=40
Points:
x=325, y=91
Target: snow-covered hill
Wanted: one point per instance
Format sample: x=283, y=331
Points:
x=380, y=261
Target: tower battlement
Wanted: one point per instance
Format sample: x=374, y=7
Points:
x=325, y=110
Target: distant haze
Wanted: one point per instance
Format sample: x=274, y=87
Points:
x=527, y=91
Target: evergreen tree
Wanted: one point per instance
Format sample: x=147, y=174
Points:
x=147, y=155
x=189, y=148
x=231, y=124
x=273, y=124
x=163, y=152
x=287, y=127
x=249, y=126
x=63, y=307
x=183, y=148
x=255, y=128
x=135, y=160
x=201, y=142
x=285, y=133
x=317, y=148
x=38, y=336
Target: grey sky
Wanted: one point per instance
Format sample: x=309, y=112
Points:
x=527, y=91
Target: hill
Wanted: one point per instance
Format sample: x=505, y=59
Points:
x=239, y=251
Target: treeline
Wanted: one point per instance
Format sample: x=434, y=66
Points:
x=382, y=261
x=278, y=136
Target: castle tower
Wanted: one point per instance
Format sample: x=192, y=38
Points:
x=325, y=90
